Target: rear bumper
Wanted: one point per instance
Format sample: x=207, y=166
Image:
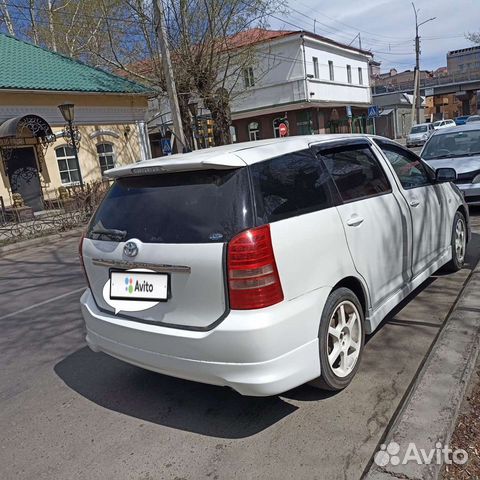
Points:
x=259, y=353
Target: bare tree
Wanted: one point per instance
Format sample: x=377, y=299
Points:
x=474, y=37
x=212, y=42
x=6, y=17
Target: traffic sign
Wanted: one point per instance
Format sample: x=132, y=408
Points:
x=283, y=130
x=166, y=146
x=373, y=111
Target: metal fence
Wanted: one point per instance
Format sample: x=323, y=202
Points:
x=70, y=210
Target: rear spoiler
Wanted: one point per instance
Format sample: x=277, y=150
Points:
x=161, y=165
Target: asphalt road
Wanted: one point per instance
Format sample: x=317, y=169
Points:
x=69, y=413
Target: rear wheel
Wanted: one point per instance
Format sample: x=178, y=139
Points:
x=458, y=242
x=341, y=339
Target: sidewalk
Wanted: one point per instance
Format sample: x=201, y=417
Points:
x=467, y=433
x=427, y=418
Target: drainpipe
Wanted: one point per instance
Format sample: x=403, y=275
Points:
x=305, y=79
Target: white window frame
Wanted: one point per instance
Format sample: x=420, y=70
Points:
x=101, y=155
x=248, y=77
x=349, y=74
x=67, y=158
x=316, y=70
x=331, y=70
x=360, y=76
x=253, y=133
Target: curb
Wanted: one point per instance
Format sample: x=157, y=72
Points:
x=44, y=240
x=428, y=415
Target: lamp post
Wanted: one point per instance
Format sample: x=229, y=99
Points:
x=68, y=113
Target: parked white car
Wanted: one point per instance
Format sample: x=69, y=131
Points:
x=261, y=266
x=444, y=124
x=419, y=134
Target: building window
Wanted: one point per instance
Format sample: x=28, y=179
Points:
x=67, y=165
x=304, y=122
x=105, y=156
x=360, y=76
x=253, y=131
x=248, y=77
x=349, y=74
x=316, y=71
x=330, y=70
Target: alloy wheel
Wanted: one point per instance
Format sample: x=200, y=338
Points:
x=460, y=240
x=344, y=338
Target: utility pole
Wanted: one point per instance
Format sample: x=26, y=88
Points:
x=359, y=40
x=417, y=97
x=169, y=78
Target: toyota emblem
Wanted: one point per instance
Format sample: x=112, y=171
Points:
x=130, y=249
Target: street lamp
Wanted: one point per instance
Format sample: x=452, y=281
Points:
x=68, y=113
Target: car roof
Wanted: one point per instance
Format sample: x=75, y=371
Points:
x=459, y=128
x=227, y=156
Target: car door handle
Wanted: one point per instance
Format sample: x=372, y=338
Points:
x=355, y=221
x=414, y=203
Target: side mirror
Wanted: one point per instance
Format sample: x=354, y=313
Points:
x=445, y=175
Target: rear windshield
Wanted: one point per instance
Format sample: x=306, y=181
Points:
x=186, y=207
x=419, y=129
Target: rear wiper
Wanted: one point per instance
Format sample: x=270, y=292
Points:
x=112, y=233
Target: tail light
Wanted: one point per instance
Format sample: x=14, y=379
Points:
x=252, y=272
x=80, y=255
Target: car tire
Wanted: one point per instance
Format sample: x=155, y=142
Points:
x=458, y=243
x=341, y=339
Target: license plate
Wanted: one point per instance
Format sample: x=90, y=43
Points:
x=138, y=286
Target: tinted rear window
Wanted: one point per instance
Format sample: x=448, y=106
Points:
x=186, y=207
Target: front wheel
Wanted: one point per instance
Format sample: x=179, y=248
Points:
x=458, y=242
x=341, y=339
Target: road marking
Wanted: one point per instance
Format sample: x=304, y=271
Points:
x=26, y=309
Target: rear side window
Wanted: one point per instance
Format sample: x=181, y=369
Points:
x=355, y=171
x=186, y=207
x=290, y=185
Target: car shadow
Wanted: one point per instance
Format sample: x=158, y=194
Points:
x=171, y=402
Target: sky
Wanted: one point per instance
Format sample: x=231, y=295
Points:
x=387, y=27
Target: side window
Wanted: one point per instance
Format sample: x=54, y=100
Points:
x=410, y=170
x=355, y=171
x=290, y=185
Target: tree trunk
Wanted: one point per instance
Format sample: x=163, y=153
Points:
x=219, y=107
x=51, y=26
x=7, y=18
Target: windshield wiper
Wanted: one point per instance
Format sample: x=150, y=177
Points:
x=111, y=233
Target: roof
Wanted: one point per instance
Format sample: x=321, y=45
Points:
x=226, y=156
x=473, y=49
x=24, y=66
x=258, y=35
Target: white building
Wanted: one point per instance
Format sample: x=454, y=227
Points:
x=296, y=78
x=303, y=80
